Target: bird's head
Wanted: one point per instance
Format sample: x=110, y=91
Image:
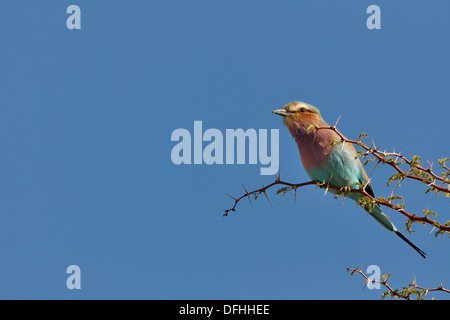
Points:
x=299, y=115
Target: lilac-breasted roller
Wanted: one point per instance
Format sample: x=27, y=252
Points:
x=338, y=166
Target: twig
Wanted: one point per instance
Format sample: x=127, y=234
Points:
x=406, y=293
x=387, y=157
x=263, y=190
x=323, y=185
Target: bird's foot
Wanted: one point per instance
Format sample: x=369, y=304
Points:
x=345, y=190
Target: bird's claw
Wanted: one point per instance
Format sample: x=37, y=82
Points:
x=345, y=190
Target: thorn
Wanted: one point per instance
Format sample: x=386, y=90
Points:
x=231, y=196
x=432, y=230
x=295, y=194
x=315, y=131
x=367, y=184
x=343, y=144
x=337, y=122
x=366, y=282
x=248, y=196
x=267, y=198
x=328, y=184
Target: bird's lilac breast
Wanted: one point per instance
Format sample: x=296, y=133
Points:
x=315, y=151
x=324, y=162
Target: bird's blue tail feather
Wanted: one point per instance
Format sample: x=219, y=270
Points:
x=383, y=219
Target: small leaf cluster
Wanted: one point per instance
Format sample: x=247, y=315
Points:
x=284, y=190
x=408, y=292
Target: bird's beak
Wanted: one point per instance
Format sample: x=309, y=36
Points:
x=282, y=112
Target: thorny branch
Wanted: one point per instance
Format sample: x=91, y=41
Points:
x=363, y=201
x=405, y=293
x=415, y=171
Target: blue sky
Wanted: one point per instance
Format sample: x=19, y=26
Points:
x=85, y=127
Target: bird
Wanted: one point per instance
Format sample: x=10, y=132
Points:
x=337, y=166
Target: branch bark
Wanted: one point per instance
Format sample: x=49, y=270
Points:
x=405, y=293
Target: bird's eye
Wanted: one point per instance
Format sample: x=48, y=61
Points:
x=302, y=110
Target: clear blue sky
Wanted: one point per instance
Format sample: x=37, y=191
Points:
x=85, y=127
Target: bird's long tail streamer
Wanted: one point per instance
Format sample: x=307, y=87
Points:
x=423, y=254
x=384, y=220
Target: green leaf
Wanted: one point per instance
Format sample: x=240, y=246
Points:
x=385, y=277
x=439, y=232
x=362, y=135
x=311, y=128
x=394, y=197
x=408, y=225
x=367, y=161
x=284, y=190
x=429, y=212
x=366, y=202
x=414, y=291
x=415, y=161
x=385, y=294
x=432, y=189
x=334, y=142
x=396, y=176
